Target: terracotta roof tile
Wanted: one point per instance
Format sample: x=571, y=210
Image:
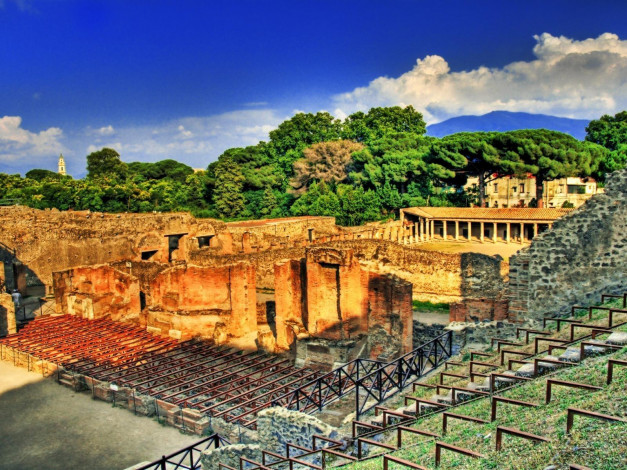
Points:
x=487, y=213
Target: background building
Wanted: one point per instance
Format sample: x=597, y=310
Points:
x=519, y=192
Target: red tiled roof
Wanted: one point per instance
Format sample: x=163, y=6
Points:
x=487, y=213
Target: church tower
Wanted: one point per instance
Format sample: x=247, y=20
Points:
x=61, y=165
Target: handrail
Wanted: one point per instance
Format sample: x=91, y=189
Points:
x=186, y=455
x=397, y=374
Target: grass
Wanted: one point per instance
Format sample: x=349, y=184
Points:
x=593, y=443
x=438, y=307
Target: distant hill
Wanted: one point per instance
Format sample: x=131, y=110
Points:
x=507, y=121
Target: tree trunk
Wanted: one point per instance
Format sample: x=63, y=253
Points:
x=539, y=192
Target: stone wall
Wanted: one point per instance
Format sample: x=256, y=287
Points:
x=51, y=240
x=582, y=257
x=230, y=455
x=329, y=296
x=218, y=303
x=476, y=310
x=264, y=232
x=435, y=276
x=276, y=427
x=7, y=315
x=97, y=292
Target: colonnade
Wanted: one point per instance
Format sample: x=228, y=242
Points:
x=428, y=229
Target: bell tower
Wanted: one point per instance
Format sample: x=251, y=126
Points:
x=61, y=165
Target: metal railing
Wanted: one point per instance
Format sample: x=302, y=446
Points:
x=370, y=379
x=187, y=458
x=318, y=393
x=396, y=375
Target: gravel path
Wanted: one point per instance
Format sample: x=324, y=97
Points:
x=44, y=425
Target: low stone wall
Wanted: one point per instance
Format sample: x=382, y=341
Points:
x=474, y=310
x=276, y=427
x=478, y=335
x=230, y=455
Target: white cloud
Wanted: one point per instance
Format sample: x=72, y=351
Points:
x=195, y=141
x=569, y=78
x=19, y=144
x=106, y=130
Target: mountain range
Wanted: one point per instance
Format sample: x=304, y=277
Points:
x=508, y=121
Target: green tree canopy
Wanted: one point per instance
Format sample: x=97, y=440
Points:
x=38, y=174
x=379, y=122
x=106, y=163
x=611, y=133
x=162, y=169
x=227, y=194
x=549, y=155
x=324, y=161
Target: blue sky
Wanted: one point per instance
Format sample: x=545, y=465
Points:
x=186, y=80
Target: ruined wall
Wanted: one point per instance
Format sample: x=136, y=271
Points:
x=476, y=310
x=51, y=240
x=582, y=257
x=436, y=277
x=348, y=312
x=7, y=315
x=390, y=317
x=217, y=303
x=290, y=299
x=266, y=231
x=337, y=302
x=97, y=292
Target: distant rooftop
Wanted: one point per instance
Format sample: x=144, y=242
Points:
x=486, y=213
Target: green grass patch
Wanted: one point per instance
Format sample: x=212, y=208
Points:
x=439, y=307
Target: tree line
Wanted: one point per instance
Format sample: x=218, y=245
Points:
x=360, y=169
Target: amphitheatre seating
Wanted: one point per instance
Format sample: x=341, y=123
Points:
x=429, y=419
x=103, y=355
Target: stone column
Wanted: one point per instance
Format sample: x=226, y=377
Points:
x=456, y=230
x=432, y=223
x=550, y=226
x=416, y=231
x=508, y=233
x=444, y=223
x=522, y=233
x=469, y=224
x=481, y=232
x=495, y=226
x=535, y=230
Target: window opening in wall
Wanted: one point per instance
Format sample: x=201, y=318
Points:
x=173, y=244
x=521, y=188
x=142, y=300
x=204, y=241
x=310, y=233
x=148, y=254
x=496, y=187
x=576, y=189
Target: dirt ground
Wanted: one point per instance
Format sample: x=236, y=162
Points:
x=44, y=425
x=487, y=248
x=431, y=318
